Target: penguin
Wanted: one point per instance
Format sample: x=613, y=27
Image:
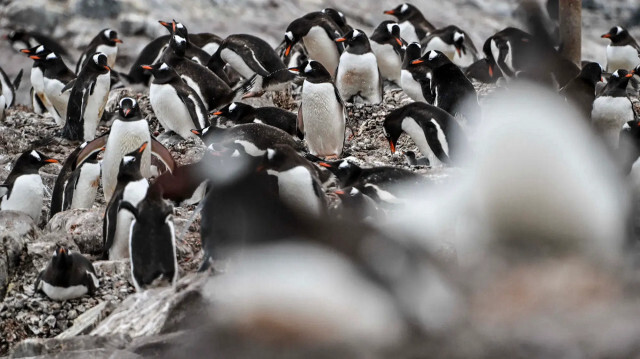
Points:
x=612, y=109
x=412, y=159
x=255, y=60
x=238, y=113
x=450, y=89
x=298, y=182
x=354, y=205
x=254, y=138
x=88, y=97
x=56, y=77
x=484, y=71
x=581, y=91
x=412, y=75
x=623, y=51
x=339, y=18
x=321, y=115
x=413, y=25
x=508, y=51
x=388, y=47
x=153, y=263
x=82, y=186
x=176, y=105
x=39, y=101
x=358, y=78
x=193, y=52
x=9, y=87
x=437, y=134
x=68, y=275
x=318, y=34
x=210, y=88
x=454, y=43
x=22, y=39
x=23, y=189
x=132, y=187
x=105, y=42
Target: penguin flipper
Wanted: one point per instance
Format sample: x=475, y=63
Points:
x=69, y=189
x=4, y=189
x=196, y=108
x=90, y=148
x=68, y=86
x=250, y=59
x=163, y=154
x=16, y=81
x=109, y=224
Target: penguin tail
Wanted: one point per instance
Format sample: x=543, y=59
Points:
x=16, y=82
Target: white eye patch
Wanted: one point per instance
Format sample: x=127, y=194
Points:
x=404, y=8
x=51, y=56
x=271, y=153
x=308, y=68
x=615, y=74
x=232, y=107
x=289, y=35
x=354, y=191
x=35, y=155
x=39, y=49
x=457, y=36
x=618, y=30
x=96, y=58
x=432, y=55
x=180, y=39
x=344, y=164
x=128, y=159
x=390, y=27
x=107, y=33
x=356, y=33
x=164, y=66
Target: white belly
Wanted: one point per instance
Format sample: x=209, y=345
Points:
x=237, y=63
x=172, y=113
x=608, y=116
x=6, y=90
x=62, y=293
x=411, y=127
x=134, y=192
x=411, y=87
x=296, y=189
x=26, y=196
x=464, y=60
x=85, y=192
x=37, y=82
x=408, y=32
x=59, y=100
x=95, y=106
x=110, y=51
x=124, y=138
x=211, y=48
x=621, y=57
x=321, y=48
x=323, y=117
x=508, y=60
x=389, y=62
x=358, y=75
x=437, y=44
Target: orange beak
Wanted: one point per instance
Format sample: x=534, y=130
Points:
x=107, y=68
x=144, y=145
x=339, y=192
x=324, y=164
x=62, y=250
x=393, y=147
x=34, y=57
x=390, y=12
x=127, y=111
x=26, y=51
x=195, y=132
x=459, y=51
x=490, y=70
x=217, y=113
x=606, y=36
x=341, y=39
x=416, y=62
x=288, y=50
x=629, y=75
x=117, y=40
x=146, y=67
x=163, y=23
x=174, y=26
x=294, y=69
x=51, y=160
x=399, y=41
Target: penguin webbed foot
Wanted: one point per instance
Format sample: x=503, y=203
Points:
x=253, y=94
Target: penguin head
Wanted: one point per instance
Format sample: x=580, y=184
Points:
x=335, y=15
x=616, y=34
x=175, y=28
x=392, y=128
x=178, y=44
x=458, y=41
x=17, y=35
x=346, y=171
x=355, y=39
x=403, y=12
x=411, y=52
x=313, y=71
x=162, y=72
x=130, y=163
x=62, y=258
x=128, y=108
x=99, y=62
x=38, y=53
x=433, y=59
x=278, y=157
x=290, y=39
x=482, y=71
x=32, y=160
x=619, y=79
x=234, y=111
x=110, y=37
x=592, y=72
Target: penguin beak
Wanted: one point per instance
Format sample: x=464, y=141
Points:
x=146, y=67
x=144, y=145
x=393, y=147
x=416, y=62
x=606, y=36
x=127, y=111
x=217, y=113
x=107, y=68
x=339, y=192
x=117, y=40
x=294, y=69
x=490, y=70
x=341, y=39
x=26, y=51
x=63, y=251
x=34, y=57
x=51, y=160
x=629, y=75
x=288, y=50
x=174, y=26
x=324, y=164
x=459, y=51
x=195, y=132
x=399, y=41
x=163, y=23
x=390, y=12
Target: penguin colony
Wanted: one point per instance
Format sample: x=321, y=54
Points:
x=272, y=171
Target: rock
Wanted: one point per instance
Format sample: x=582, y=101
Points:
x=39, y=14
x=38, y=347
x=97, y=9
x=118, y=268
x=40, y=251
x=87, y=321
x=84, y=226
x=16, y=229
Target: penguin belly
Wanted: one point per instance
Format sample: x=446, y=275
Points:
x=238, y=64
x=26, y=196
x=506, y=66
x=411, y=87
x=134, y=192
x=211, y=48
x=37, y=82
x=408, y=32
x=411, y=127
x=110, y=51
x=85, y=192
x=320, y=47
x=608, y=116
x=7, y=90
x=58, y=99
x=64, y=293
x=295, y=187
x=358, y=76
x=621, y=57
x=95, y=106
x=170, y=110
x=437, y=44
x=124, y=138
x=323, y=118
x=389, y=62
x=464, y=60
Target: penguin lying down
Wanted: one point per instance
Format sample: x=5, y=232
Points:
x=67, y=276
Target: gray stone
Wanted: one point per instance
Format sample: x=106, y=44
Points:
x=84, y=226
x=87, y=321
x=40, y=251
x=39, y=14
x=97, y=9
x=52, y=346
x=16, y=230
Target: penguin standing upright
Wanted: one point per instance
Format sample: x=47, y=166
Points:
x=56, y=76
x=454, y=43
x=87, y=99
x=153, y=263
x=82, y=186
x=413, y=25
x=239, y=112
x=39, y=100
x=68, y=275
x=177, y=106
x=132, y=188
x=9, y=87
x=581, y=91
x=613, y=109
x=358, y=78
x=322, y=113
x=623, y=51
x=388, y=47
x=105, y=42
x=23, y=189
x=411, y=75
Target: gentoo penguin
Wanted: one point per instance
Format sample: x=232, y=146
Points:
x=412, y=75
x=454, y=43
x=413, y=25
x=356, y=206
x=176, y=105
x=22, y=39
x=483, y=70
x=318, y=34
x=23, y=189
x=195, y=53
x=413, y=160
x=87, y=99
x=68, y=275
x=388, y=47
x=507, y=50
x=153, y=262
x=238, y=112
x=623, y=51
x=39, y=100
x=255, y=60
x=321, y=115
x=105, y=42
x=254, y=138
x=581, y=91
x=9, y=87
x=298, y=182
x=450, y=89
x=437, y=134
x=339, y=18
x=612, y=109
x=82, y=186
x=211, y=89
x=358, y=78
x=132, y=187
x=56, y=76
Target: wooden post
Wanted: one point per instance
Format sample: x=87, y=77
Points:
x=570, y=20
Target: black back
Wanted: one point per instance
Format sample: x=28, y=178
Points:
x=68, y=269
